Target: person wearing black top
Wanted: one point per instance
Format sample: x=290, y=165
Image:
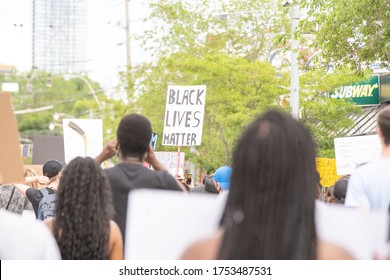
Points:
x=133, y=149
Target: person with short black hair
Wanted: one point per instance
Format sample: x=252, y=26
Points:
x=340, y=190
x=133, y=148
x=208, y=186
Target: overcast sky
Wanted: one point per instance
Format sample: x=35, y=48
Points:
x=106, y=51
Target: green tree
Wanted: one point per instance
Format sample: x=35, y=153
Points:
x=230, y=56
x=69, y=98
x=349, y=32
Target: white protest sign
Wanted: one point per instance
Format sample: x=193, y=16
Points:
x=363, y=234
x=353, y=151
x=10, y=87
x=169, y=161
x=183, y=122
x=82, y=137
x=161, y=224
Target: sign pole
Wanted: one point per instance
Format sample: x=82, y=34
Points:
x=178, y=162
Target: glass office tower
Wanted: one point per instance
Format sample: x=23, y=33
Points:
x=60, y=35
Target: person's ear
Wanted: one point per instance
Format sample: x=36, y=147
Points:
x=118, y=148
x=217, y=186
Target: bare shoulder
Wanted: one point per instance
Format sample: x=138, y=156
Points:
x=49, y=223
x=115, y=242
x=329, y=251
x=114, y=229
x=206, y=249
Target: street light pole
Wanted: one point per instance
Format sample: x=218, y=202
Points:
x=92, y=91
x=127, y=28
x=294, y=82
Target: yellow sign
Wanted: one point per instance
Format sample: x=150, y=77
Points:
x=326, y=167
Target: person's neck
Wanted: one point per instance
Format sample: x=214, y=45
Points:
x=133, y=160
x=53, y=185
x=385, y=151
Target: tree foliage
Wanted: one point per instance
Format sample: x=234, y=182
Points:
x=228, y=48
x=69, y=98
x=237, y=90
x=350, y=32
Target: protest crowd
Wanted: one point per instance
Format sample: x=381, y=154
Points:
x=79, y=210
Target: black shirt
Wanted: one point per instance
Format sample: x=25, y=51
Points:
x=125, y=177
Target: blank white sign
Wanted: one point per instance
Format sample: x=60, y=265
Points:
x=162, y=224
x=363, y=234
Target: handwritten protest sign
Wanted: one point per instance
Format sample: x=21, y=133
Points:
x=183, y=122
x=354, y=151
x=326, y=167
x=169, y=161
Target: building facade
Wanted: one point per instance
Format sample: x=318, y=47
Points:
x=59, y=36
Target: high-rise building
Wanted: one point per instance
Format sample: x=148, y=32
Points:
x=60, y=36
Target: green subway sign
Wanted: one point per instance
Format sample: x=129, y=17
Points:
x=362, y=93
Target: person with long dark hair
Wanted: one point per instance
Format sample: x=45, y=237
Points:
x=82, y=224
x=270, y=208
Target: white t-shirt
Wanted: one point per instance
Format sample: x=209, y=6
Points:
x=369, y=186
x=25, y=239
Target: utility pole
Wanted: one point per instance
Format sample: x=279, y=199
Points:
x=294, y=82
x=127, y=28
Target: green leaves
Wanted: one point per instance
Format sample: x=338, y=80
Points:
x=350, y=32
x=228, y=49
x=69, y=98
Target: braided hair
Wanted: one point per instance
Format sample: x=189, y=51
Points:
x=83, y=211
x=270, y=208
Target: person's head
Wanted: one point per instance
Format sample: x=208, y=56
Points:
x=83, y=211
x=340, y=189
x=180, y=175
x=133, y=135
x=210, y=186
x=189, y=179
x=384, y=125
x=52, y=169
x=270, y=208
x=28, y=172
x=222, y=177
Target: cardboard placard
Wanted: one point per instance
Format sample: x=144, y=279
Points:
x=326, y=167
x=11, y=162
x=36, y=167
